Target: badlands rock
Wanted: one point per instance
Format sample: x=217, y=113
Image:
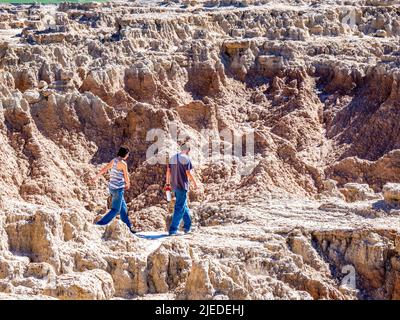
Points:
x=391, y=193
x=169, y=266
x=375, y=173
x=367, y=253
x=358, y=192
x=35, y=236
x=5, y=296
x=313, y=86
x=88, y=285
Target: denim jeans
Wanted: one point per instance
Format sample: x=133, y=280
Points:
x=181, y=211
x=118, y=205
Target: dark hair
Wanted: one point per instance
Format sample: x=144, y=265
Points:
x=185, y=147
x=122, y=152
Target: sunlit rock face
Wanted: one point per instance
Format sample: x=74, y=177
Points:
x=316, y=83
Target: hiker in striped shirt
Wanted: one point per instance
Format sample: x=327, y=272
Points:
x=119, y=182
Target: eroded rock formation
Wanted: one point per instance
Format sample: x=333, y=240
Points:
x=318, y=84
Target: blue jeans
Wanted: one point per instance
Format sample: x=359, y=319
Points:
x=118, y=205
x=181, y=211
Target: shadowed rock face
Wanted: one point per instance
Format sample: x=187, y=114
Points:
x=317, y=81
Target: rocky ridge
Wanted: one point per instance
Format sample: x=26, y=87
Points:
x=317, y=81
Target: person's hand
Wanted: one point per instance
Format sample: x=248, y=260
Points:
x=127, y=187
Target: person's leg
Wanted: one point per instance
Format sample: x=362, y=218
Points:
x=180, y=196
x=124, y=214
x=187, y=221
x=115, y=208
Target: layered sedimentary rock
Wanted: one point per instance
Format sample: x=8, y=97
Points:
x=314, y=84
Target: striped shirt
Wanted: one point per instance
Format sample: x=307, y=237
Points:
x=117, y=179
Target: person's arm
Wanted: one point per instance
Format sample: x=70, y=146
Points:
x=191, y=179
x=168, y=177
x=126, y=176
x=102, y=171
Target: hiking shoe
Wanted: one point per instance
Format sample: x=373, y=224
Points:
x=188, y=231
x=133, y=231
x=177, y=233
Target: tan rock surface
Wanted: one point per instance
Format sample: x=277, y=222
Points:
x=391, y=193
x=319, y=83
